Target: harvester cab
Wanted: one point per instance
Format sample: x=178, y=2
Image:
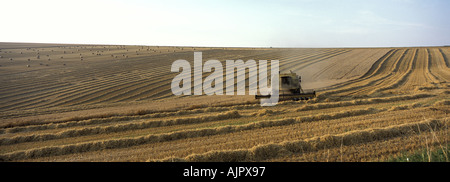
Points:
x=290, y=88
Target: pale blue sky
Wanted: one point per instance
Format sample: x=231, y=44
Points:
x=237, y=23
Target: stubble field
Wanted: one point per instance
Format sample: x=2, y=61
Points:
x=114, y=103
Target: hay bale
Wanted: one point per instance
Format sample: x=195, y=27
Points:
x=442, y=103
x=329, y=141
x=267, y=151
x=229, y=115
x=264, y=112
x=355, y=137
x=298, y=146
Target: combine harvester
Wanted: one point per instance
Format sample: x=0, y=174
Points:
x=291, y=89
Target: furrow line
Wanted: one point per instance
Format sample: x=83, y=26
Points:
x=128, y=142
x=275, y=150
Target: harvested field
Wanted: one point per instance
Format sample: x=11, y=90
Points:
x=114, y=103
